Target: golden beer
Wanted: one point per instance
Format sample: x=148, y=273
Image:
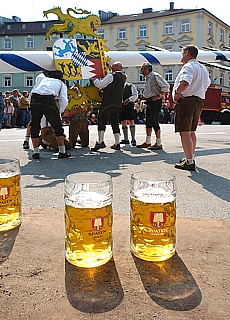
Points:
x=88, y=240
x=88, y=218
x=10, y=200
x=152, y=215
x=153, y=234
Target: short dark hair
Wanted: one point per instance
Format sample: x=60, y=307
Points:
x=56, y=74
x=193, y=50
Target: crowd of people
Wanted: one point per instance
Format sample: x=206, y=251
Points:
x=14, y=109
x=121, y=105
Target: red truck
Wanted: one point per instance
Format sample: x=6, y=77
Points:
x=216, y=106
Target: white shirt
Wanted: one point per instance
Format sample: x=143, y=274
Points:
x=50, y=86
x=197, y=77
x=134, y=91
x=103, y=83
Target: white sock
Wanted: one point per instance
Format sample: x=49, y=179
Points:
x=148, y=139
x=117, y=138
x=61, y=149
x=158, y=141
x=190, y=161
x=36, y=150
x=101, y=135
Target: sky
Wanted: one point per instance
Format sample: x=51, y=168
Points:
x=32, y=10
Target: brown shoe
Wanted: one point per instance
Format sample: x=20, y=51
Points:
x=116, y=146
x=185, y=166
x=144, y=145
x=98, y=146
x=155, y=147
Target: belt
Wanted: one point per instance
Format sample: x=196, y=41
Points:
x=150, y=98
x=193, y=97
x=43, y=95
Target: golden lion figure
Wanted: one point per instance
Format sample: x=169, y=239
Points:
x=80, y=95
x=85, y=26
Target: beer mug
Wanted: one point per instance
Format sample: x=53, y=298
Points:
x=152, y=215
x=88, y=218
x=10, y=194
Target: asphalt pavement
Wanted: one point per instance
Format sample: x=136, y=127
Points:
x=203, y=194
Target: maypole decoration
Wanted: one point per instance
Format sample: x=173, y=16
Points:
x=79, y=58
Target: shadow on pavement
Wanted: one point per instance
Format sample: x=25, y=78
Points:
x=7, y=240
x=216, y=185
x=169, y=283
x=93, y=290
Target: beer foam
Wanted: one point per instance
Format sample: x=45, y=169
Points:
x=88, y=200
x=8, y=174
x=153, y=195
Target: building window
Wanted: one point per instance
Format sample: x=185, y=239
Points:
x=23, y=26
x=29, y=81
x=7, y=43
x=54, y=37
x=78, y=36
x=168, y=75
x=8, y=27
x=168, y=28
x=222, y=79
x=7, y=81
x=43, y=25
x=142, y=31
x=185, y=25
x=221, y=35
x=121, y=33
x=140, y=48
x=101, y=32
x=169, y=48
x=210, y=28
x=29, y=42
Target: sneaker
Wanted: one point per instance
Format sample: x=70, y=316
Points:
x=133, y=143
x=155, y=147
x=116, y=146
x=36, y=155
x=62, y=155
x=124, y=141
x=144, y=145
x=25, y=145
x=98, y=146
x=185, y=166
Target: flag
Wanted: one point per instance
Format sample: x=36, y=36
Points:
x=79, y=59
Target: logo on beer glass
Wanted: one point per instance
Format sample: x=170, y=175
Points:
x=4, y=192
x=97, y=223
x=158, y=219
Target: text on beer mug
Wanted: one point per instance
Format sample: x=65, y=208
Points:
x=152, y=215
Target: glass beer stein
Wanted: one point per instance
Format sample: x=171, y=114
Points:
x=88, y=218
x=152, y=215
x=10, y=194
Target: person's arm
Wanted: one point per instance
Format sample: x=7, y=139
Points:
x=162, y=83
x=103, y=83
x=133, y=97
x=183, y=85
x=63, y=101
